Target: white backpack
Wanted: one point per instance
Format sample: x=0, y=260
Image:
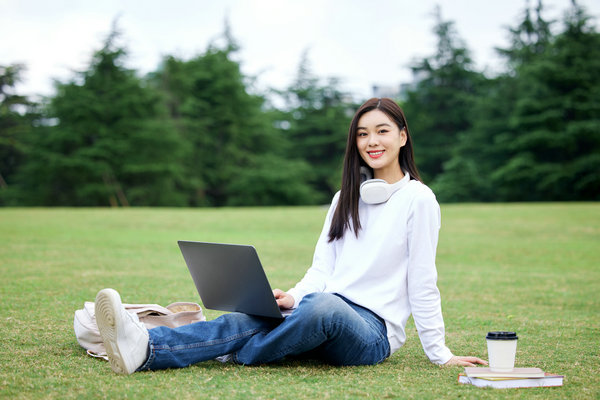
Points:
x=151, y=315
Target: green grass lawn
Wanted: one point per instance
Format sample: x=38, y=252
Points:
x=531, y=268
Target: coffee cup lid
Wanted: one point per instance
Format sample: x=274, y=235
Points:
x=501, y=335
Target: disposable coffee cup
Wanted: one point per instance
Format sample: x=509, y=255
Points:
x=502, y=349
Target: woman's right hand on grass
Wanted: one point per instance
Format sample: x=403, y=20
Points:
x=466, y=361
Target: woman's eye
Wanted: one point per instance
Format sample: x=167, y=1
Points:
x=362, y=134
x=383, y=131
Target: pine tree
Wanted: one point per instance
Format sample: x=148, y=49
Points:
x=111, y=143
x=482, y=153
x=17, y=114
x=553, y=143
x=317, y=116
x=439, y=108
x=529, y=39
x=235, y=154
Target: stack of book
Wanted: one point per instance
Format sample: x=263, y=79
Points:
x=517, y=378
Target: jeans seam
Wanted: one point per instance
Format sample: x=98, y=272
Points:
x=208, y=343
x=287, y=349
x=151, y=356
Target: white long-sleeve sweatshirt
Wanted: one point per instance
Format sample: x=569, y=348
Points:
x=389, y=268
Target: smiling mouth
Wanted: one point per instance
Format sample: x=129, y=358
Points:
x=375, y=154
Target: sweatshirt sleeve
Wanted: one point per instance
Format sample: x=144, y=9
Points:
x=423, y=229
x=323, y=261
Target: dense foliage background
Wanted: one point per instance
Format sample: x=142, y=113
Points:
x=196, y=133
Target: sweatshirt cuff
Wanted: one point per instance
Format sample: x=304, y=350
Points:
x=443, y=357
x=296, y=295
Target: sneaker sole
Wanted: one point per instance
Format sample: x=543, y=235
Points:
x=108, y=304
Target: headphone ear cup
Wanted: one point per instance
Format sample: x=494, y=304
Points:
x=375, y=191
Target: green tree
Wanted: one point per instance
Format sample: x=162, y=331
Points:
x=440, y=106
x=471, y=174
x=110, y=144
x=316, y=118
x=236, y=156
x=17, y=114
x=529, y=39
x=553, y=146
x=476, y=154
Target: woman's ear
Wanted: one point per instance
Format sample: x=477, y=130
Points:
x=403, y=137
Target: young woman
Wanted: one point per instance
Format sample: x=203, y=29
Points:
x=373, y=266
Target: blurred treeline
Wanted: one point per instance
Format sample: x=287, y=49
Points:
x=196, y=133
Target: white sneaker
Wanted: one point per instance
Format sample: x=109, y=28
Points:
x=124, y=336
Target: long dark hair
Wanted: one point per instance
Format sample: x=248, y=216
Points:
x=347, y=207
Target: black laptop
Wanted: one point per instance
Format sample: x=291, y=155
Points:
x=230, y=277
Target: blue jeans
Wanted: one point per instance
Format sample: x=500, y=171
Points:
x=325, y=326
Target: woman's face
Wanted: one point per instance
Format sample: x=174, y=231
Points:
x=379, y=140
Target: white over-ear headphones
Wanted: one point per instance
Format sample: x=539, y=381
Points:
x=376, y=191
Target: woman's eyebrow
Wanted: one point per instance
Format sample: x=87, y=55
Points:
x=376, y=126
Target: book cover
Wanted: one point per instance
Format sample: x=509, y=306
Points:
x=548, y=380
x=479, y=372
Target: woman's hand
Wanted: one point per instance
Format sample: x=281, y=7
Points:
x=283, y=299
x=465, y=361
